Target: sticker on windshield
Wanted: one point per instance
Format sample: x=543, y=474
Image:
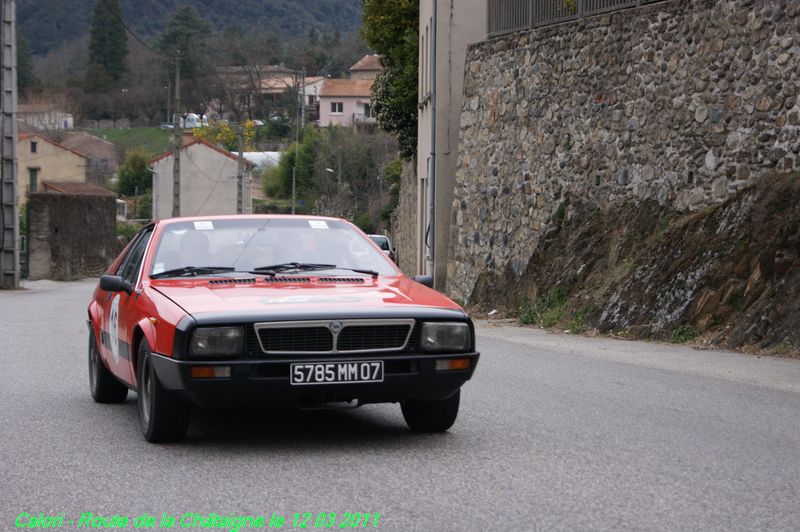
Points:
x=203, y=226
x=318, y=224
x=158, y=267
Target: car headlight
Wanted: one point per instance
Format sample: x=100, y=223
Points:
x=445, y=336
x=216, y=341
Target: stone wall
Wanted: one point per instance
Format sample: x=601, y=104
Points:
x=70, y=236
x=683, y=102
x=404, y=220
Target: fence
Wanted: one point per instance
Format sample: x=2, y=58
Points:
x=508, y=16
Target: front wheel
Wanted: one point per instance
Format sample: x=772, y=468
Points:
x=104, y=387
x=431, y=416
x=162, y=417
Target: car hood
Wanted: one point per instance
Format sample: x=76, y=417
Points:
x=221, y=299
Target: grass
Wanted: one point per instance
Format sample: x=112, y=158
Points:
x=546, y=311
x=684, y=333
x=150, y=139
x=578, y=323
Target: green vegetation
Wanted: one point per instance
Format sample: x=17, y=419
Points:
x=684, y=333
x=561, y=211
x=578, y=323
x=134, y=174
x=146, y=139
x=391, y=29
x=337, y=173
x=108, y=47
x=128, y=230
x=545, y=311
x=56, y=22
x=188, y=32
x=392, y=174
x=736, y=301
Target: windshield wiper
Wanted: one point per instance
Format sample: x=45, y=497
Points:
x=286, y=266
x=191, y=271
x=306, y=266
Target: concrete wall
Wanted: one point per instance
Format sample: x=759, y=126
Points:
x=55, y=163
x=682, y=102
x=208, y=183
x=71, y=236
x=459, y=23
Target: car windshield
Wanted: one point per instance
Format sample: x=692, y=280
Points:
x=246, y=244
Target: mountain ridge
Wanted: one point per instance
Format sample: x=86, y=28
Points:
x=49, y=24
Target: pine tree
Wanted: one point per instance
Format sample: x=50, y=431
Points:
x=108, y=45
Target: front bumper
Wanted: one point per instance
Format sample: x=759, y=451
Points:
x=261, y=382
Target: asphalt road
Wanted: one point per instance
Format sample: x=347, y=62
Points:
x=555, y=432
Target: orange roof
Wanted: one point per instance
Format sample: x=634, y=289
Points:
x=25, y=136
x=370, y=62
x=346, y=88
x=207, y=145
x=77, y=188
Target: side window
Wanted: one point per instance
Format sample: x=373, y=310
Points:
x=129, y=269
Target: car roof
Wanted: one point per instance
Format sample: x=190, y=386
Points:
x=248, y=217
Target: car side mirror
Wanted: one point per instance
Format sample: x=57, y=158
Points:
x=114, y=283
x=426, y=280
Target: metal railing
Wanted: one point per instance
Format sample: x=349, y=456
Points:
x=509, y=16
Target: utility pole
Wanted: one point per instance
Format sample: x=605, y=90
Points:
x=178, y=131
x=240, y=175
x=298, y=125
x=9, y=213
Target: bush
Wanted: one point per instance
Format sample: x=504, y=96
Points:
x=546, y=311
x=134, y=174
x=684, y=333
x=365, y=223
x=127, y=230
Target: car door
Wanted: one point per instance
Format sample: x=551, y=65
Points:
x=120, y=311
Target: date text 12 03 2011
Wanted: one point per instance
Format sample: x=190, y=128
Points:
x=231, y=522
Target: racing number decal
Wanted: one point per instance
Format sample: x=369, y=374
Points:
x=113, y=328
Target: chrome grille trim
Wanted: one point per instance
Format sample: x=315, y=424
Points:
x=409, y=322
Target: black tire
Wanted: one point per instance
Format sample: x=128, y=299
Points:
x=431, y=416
x=103, y=385
x=162, y=416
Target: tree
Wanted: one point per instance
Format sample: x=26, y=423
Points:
x=391, y=28
x=188, y=32
x=108, y=44
x=25, y=76
x=134, y=174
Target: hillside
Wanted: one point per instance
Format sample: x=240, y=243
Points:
x=727, y=276
x=48, y=24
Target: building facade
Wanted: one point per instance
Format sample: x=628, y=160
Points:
x=208, y=182
x=41, y=159
x=457, y=24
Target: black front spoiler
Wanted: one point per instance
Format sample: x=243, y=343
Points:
x=265, y=382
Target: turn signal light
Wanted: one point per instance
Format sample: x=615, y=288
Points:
x=452, y=364
x=209, y=372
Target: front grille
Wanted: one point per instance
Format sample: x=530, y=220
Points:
x=318, y=337
x=297, y=339
x=364, y=337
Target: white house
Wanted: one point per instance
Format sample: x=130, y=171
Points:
x=208, y=182
x=345, y=102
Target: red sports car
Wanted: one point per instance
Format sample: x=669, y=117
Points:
x=295, y=310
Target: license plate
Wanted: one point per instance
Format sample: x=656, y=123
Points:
x=336, y=372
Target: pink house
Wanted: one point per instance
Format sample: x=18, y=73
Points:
x=345, y=102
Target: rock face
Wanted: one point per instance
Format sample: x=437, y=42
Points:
x=729, y=272
x=680, y=104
